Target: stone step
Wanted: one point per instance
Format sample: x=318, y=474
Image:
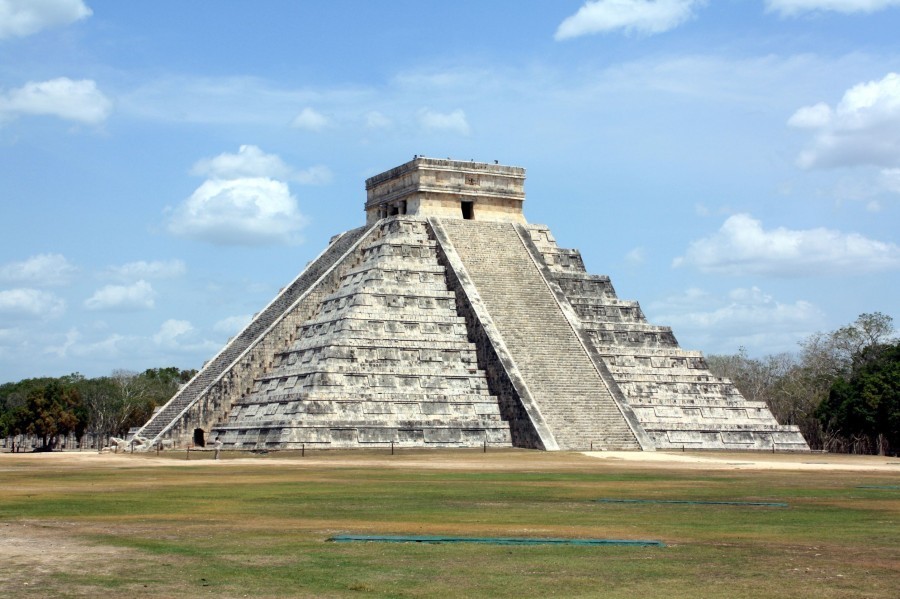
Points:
x=566, y=386
x=384, y=350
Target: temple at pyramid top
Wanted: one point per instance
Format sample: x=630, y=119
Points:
x=448, y=189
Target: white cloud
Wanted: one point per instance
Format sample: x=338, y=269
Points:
x=243, y=211
x=633, y=16
x=436, y=121
x=314, y=175
x=251, y=161
x=790, y=8
x=19, y=18
x=138, y=296
x=142, y=269
x=233, y=324
x=42, y=269
x=863, y=129
x=745, y=317
x=31, y=303
x=811, y=117
x=742, y=246
x=171, y=331
x=636, y=256
x=310, y=119
x=64, y=98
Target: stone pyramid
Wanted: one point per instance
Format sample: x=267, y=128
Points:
x=449, y=321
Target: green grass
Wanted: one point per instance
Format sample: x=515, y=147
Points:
x=260, y=530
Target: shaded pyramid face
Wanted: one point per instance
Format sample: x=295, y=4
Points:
x=385, y=359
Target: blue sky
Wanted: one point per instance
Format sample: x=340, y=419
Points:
x=166, y=167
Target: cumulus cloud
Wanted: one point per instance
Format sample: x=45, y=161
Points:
x=171, y=331
x=811, y=117
x=251, y=161
x=746, y=317
x=41, y=270
x=743, y=246
x=19, y=18
x=142, y=269
x=64, y=98
x=455, y=121
x=310, y=119
x=31, y=303
x=244, y=211
x=138, y=296
x=789, y=8
x=862, y=129
x=244, y=202
x=645, y=17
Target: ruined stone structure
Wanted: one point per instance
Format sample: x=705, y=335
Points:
x=449, y=321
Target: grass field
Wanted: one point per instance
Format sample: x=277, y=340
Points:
x=142, y=526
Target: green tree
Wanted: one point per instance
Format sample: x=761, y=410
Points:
x=863, y=410
x=51, y=410
x=794, y=387
x=14, y=413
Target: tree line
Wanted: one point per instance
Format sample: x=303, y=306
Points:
x=47, y=408
x=842, y=388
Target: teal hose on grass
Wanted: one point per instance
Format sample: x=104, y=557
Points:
x=492, y=540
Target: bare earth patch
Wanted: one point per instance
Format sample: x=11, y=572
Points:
x=30, y=550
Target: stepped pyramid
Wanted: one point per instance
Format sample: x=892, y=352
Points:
x=449, y=321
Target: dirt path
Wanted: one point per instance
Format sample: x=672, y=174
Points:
x=754, y=461
x=501, y=459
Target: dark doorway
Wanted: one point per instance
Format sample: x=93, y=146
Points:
x=199, y=441
x=468, y=210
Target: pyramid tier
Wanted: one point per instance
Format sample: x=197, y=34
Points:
x=384, y=359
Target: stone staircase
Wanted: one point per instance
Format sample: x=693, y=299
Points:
x=678, y=402
x=220, y=364
x=385, y=359
x=564, y=382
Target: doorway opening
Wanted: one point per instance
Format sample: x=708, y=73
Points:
x=468, y=209
x=199, y=439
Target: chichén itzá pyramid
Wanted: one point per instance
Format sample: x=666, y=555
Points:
x=448, y=320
